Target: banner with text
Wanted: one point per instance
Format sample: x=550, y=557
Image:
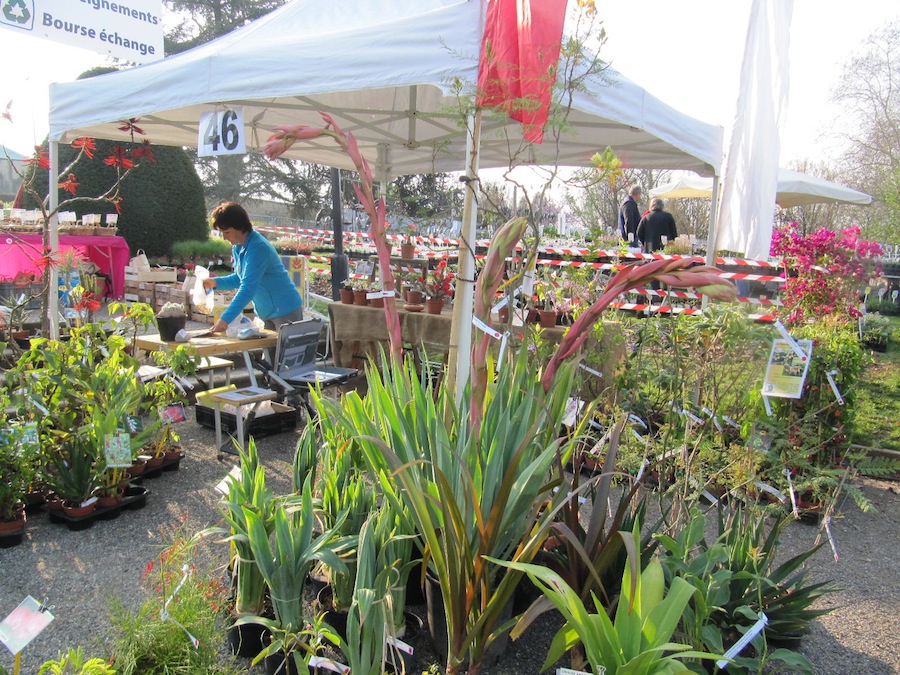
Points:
x=130, y=30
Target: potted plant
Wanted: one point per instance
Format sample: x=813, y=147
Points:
x=544, y=301
x=285, y=563
x=246, y=490
x=408, y=246
x=875, y=330
x=438, y=287
x=639, y=637
x=347, y=500
x=16, y=472
x=346, y=292
x=73, y=662
x=360, y=288
x=170, y=319
x=415, y=287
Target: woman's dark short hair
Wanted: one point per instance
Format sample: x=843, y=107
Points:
x=231, y=216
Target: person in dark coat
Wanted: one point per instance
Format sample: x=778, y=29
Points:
x=630, y=214
x=658, y=223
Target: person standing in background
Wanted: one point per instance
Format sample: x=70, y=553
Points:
x=259, y=274
x=630, y=214
x=656, y=226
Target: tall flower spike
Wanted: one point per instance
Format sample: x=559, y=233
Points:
x=673, y=272
x=502, y=245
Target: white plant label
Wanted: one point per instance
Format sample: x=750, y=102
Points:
x=738, y=646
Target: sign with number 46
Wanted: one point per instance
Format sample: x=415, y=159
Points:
x=222, y=133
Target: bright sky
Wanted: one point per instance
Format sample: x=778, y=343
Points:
x=686, y=53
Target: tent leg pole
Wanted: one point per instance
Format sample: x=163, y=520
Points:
x=50, y=270
x=340, y=267
x=460, y=353
x=711, y=237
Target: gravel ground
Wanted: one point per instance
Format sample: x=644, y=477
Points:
x=77, y=571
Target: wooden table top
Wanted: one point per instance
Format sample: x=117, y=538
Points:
x=210, y=345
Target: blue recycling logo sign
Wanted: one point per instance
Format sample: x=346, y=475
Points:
x=17, y=13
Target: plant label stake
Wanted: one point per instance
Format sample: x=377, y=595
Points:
x=164, y=613
x=328, y=664
x=831, y=538
x=834, y=388
x=787, y=474
x=496, y=334
x=738, y=646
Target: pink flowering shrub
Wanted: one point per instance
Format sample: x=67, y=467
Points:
x=824, y=271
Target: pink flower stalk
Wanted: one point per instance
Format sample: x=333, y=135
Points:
x=279, y=143
x=672, y=272
x=502, y=245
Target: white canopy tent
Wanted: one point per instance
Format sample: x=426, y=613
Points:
x=386, y=72
x=794, y=189
x=390, y=73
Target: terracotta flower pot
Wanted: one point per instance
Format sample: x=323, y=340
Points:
x=376, y=302
x=360, y=299
x=434, y=305
x=346, y=296
x=415, y=297
x=547, y=318
x=407, y=250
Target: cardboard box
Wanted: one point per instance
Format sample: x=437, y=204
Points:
x=154, y=274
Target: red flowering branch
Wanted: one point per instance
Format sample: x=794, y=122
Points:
x=281, y=141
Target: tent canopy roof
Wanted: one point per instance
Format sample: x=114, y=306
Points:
x=794, y=189
x=388, y=73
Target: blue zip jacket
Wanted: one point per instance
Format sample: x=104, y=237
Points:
x=260, y=277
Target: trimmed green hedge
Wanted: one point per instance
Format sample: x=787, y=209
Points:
x=162, y=202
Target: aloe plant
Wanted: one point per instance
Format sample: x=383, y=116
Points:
x=637, y=641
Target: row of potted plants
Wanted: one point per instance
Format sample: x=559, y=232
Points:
x=77, y=414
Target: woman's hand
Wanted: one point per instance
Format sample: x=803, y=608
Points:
x=219, y=327
x=209, y=283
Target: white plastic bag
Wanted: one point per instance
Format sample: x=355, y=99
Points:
x=199, y=295
x=242, y=322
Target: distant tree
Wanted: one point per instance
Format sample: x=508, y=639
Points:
x=202, y=21
x=869, y=94
x=427, y=195
x=596, y=203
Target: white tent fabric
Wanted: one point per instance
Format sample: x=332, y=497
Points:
x=794, y=189
x=751, y=164
x=386, y=72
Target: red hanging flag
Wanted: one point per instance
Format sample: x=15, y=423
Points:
x=519, y=55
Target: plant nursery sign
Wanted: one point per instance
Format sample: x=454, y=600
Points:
x=24, y=624
x=786, y=371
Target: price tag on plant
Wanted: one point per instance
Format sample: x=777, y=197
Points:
x=221, y=133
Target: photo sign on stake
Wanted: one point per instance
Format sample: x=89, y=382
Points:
x=24, y=624
x=786, y=373
x=117, y=448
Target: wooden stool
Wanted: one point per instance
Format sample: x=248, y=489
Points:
x=213, y=364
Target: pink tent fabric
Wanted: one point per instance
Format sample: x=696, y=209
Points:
x=19, y=253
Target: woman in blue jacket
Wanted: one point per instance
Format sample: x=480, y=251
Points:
x=259, y=274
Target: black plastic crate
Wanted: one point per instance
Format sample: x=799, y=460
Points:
x=284, y=419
